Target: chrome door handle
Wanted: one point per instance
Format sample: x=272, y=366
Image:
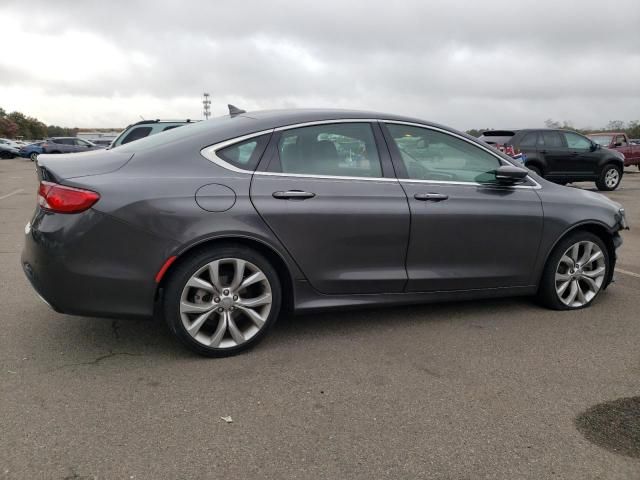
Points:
x=430, y=197
x=293, y=195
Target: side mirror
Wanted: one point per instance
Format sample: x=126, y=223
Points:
x=510, y=175
x=595, y=146
x=618, y=144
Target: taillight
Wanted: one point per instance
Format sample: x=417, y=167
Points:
x=61, y=199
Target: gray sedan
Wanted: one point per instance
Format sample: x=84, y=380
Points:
x=221, y=226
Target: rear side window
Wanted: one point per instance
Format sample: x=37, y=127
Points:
x=551, y=139
x=245, y=155
x=136, y=134
x=529, y=140
x=341, y=149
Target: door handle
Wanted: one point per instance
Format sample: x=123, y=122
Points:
x=293, y=195
x=430, y=197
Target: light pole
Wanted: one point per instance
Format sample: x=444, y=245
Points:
x=206, y=104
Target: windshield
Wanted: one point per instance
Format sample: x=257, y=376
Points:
x=604, y=140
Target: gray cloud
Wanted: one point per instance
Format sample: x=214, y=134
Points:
x=467, y=64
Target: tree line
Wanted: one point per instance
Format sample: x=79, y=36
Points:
x=19, y=125
x=632, y=128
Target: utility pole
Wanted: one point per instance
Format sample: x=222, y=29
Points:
x=206, y=104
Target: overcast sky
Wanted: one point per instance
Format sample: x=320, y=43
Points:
x=466, y=64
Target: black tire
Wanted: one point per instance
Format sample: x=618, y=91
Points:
x=5, y=155
x=535, y=170
x=183, y=272
x=55, y=151
x=33, y=156
x=607, y=170
x=547, y=294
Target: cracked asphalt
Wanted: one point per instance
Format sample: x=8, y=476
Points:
x=473, y=390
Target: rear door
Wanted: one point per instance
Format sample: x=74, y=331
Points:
x=552, y=150
x=329, y=194
x=466, y=232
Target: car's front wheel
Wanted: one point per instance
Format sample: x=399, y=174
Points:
x=33, y=156
x=219, y=303
x=610, y=178
x=575, y=273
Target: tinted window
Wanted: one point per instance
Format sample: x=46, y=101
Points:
x=341, y=149
x=576, y=141
x=529, y=140
x=621, y=140
x=245, y=154
x=136, y=134
x=431, y=155
x=551, y=139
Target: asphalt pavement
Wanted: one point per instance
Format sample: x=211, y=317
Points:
x=468, y=390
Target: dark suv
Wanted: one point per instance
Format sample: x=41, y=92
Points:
x=146, y=128
x=67, y=145
x=561, y=156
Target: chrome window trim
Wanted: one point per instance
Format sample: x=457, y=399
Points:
x=210, y=153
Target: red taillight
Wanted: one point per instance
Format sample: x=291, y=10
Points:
x=61, y=199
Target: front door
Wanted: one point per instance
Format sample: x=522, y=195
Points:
x=330, y=197
x=466, y=233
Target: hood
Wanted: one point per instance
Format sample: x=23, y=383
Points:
x=72, y=165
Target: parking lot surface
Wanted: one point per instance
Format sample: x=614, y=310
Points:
x=485, y=389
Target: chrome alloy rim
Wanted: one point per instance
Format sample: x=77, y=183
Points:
x=225, y=303
x=611, y=178
x=580, y=274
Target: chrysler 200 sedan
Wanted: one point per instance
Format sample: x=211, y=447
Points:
x=221, y=226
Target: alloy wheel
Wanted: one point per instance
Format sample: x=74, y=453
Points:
x=580, y=274
x=611, y=178
x=225, y=303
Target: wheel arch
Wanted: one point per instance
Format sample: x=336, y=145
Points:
x=269, y=252
x=599, y=229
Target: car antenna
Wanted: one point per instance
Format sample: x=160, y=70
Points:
x=233, y=110
x=141, y=117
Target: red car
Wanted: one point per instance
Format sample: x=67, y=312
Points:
x=619, y=141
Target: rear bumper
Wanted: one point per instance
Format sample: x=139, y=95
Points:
x=89, y=264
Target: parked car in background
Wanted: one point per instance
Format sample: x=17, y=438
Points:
x=102, y=143
x=146, y=128
x=8, y=151
x=9, y=143
x=31, y=151
x=619, y=142
x=561, y=156
x=635, y=141
x=67, y=145
x=224, y=224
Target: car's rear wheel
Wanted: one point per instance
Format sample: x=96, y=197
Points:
x=5, y=155
x=219, y=303
x=575, y=272
x=33, y=156
x=610, y=177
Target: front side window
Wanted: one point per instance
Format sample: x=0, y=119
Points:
x=340, y=149
x=621, y=140
x=432, y=155
x=576, y=141
x=136, y=134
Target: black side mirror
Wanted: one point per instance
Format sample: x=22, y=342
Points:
x=510, y=175
x=618, y=144
x=595, y=146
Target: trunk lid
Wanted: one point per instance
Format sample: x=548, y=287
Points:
x=62, y=166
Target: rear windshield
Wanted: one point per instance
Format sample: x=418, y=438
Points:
x=497, y=137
